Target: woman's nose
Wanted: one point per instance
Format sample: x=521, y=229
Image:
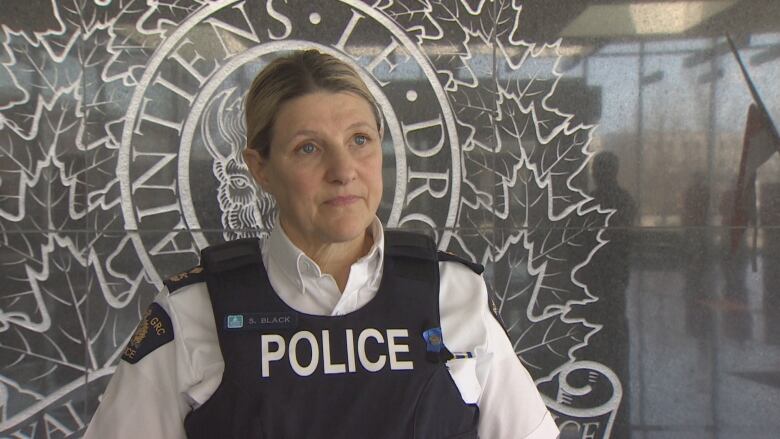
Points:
x=341, y=165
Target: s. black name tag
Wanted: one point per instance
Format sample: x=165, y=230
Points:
x=260, y=321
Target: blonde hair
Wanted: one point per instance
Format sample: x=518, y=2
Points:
x=293, y=76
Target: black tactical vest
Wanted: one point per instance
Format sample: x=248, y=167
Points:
x=367, y=374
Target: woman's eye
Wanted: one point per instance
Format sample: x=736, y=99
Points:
x=361, y=139
x=307, y=148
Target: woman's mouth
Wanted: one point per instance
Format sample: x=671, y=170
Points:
x=344, y=200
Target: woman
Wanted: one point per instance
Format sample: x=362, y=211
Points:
x=331, y=328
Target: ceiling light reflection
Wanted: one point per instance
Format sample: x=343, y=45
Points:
x=652, y=18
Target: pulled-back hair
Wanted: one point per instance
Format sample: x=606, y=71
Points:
x=293, y=76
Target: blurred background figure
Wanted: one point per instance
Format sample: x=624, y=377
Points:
x=607, y=278
x=736, y=320
x=695, y=254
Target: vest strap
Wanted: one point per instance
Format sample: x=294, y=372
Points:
x=231, y=255
x=410, y=244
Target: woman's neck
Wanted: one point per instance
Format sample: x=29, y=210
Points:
x=336, y=258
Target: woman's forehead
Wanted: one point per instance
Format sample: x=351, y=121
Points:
x=319, y=110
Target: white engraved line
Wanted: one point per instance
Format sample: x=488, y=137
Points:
x=546, y=343
x=62, y=391
x=82, y=324
x=45, y=374
x=11, y=383
x=72, y=338
x=100, y=329
x=43, y=357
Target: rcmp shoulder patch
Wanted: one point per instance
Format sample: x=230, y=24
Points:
x=154, y=330
x=189, y=277
x=447, y=256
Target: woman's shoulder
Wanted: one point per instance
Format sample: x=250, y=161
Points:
x=186, y=300
x=452, y=257
x=462, y=289
x=177, y=309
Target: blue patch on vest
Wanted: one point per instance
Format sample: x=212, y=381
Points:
x=234, y=321
x=260, y=321
x=433, y=340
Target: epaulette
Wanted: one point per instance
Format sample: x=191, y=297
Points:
x=447, y=256
x=189, y=277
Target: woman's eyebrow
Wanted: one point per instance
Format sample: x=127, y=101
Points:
x=360, y=124
x=304, y=132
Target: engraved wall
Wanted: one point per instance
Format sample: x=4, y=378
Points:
x=586, y=152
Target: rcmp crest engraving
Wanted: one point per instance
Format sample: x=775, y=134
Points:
x=139, y=104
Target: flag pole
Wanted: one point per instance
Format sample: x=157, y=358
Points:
x=763, y=111
x=753, y=91
x=754, y=253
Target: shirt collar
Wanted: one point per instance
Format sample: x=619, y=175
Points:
x=290, y=261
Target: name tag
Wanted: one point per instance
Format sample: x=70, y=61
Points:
x=260, y=321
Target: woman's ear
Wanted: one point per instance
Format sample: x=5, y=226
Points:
x=257, y=165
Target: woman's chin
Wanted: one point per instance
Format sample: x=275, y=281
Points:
x=345, y=230
x=343, y=236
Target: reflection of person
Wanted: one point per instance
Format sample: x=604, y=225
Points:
x=607, y=277
x=734, y=264
x=332, y=328
x=698, y=282
x=614, y=256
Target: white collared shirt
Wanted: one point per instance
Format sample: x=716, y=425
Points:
x=298, y=281
x=164, y=386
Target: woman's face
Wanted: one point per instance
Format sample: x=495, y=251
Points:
x=324, y=168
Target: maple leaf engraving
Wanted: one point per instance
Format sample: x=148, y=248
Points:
x=42, y=79
x=47, y=181
x=84, y=16
x=69, y=302
x=163, y=16
x=68, y=309
x=548, y=344
x=535, y=288
x=136, y=32
x=520, y=209
x=69, y=331
x=556, y=160
x=439, y=35
x=104, y=104
x=476, y=17
x=414, y=16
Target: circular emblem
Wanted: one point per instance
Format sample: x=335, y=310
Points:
x=184, y=135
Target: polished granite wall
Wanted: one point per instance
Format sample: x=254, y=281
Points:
x=625, y=298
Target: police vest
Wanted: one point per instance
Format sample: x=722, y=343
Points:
x=378, y=372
